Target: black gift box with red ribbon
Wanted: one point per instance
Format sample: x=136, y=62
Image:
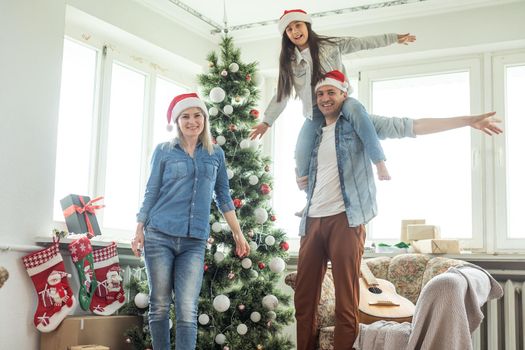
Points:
x=79, y=212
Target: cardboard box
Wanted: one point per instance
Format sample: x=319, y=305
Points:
x=88, y=347
x=79, y=212
x=437, y=246
x=102, y=330
x=416, y=232
x=404, y=224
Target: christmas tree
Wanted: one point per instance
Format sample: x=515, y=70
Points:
x=241, y=307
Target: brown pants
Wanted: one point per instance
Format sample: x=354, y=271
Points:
x=329, y=238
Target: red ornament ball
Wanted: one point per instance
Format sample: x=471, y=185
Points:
x=205, y=267
x=237, y=203
x=261, y=265
x=265, y=189
x=273, y=217
x=254, y=113
x=248, y=77
x=284, y=246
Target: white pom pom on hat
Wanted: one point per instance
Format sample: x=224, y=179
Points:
x=337, y=79
x=181, y=103
x=290, y=16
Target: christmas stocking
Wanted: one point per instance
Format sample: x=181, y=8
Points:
x=109, y=295
x=55, y=298
x=82, y=256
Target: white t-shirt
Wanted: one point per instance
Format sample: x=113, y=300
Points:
x=327, y=199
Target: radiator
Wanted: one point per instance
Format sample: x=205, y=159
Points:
x=504, y=325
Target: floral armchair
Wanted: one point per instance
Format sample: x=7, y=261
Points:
x=408, y=272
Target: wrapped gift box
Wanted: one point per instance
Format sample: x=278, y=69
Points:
x=106, y=331
x=436, y=246
x=404, y=227
x=79, y=212
x=416, y=232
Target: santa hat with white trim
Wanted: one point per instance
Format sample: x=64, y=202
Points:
x=337, y=79
x=182, y=102
x=290, y=16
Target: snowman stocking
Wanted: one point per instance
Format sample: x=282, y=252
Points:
x=109, y=295
x=55, y=298
x=82, y=256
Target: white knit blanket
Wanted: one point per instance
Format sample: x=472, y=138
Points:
x=447, y=312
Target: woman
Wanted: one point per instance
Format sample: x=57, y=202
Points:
x=173, y=222
x=305, y=58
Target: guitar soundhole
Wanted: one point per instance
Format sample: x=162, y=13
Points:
x=375, y=290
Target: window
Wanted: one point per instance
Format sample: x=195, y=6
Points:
x=431, y=175
x=75, y=142
x=509, y=84
x=112, y=114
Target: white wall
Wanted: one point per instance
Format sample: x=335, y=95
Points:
x=31, y=38
x=31, y=33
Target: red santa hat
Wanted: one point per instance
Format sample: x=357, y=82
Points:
x=335, y=78
x=181, y=103
x=290, y=16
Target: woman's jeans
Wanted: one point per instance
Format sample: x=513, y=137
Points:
x=353, y=110
x=173, y=264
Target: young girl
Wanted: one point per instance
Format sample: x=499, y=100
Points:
x=305, y=57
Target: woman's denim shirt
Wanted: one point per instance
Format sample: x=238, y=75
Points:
x=180, y=188
x=330, y=58
x=355, y=168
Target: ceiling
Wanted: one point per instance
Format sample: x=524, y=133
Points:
x=249, y=20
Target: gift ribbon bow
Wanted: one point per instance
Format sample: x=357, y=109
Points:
x=85, y=209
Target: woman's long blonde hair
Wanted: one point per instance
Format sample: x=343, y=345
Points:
x=204, y=136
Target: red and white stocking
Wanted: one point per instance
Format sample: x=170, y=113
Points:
x=109, y=294
x=55, y=298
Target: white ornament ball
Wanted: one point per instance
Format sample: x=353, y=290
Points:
x=221, y=303
x=253, y=246
x=170, y=323
x=271, y=315
x=229, y=172
x=246, y=263
x=269, y=240
x=221, y=140
x=270, y=302
x=253, y=180
x=245, y=144
x=216, y=227
x=213, y=111
x=233, y=67
x=277, y=265
x=228, y=109
x=141, y=300
x=224, y=73
x=218, y=257
x=246, y=92
x=261, y=215
x=220, y=338
x=217, y=94
x=254, y=274
x=255, y=316
x=204, y=319
x=242, y=329
x=254, y=144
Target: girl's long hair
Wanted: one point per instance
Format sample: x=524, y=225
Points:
x=285, y=83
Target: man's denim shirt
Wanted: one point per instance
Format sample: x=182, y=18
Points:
x=355, y=168
x=180, y=188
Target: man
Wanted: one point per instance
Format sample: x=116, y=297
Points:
x=341, y=200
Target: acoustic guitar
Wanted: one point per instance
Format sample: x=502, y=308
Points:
x=378, y=300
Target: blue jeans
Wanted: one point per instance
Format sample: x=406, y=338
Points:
x=352, y=109
x=173, y=264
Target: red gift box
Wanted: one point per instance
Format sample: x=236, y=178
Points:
x=79, y=212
